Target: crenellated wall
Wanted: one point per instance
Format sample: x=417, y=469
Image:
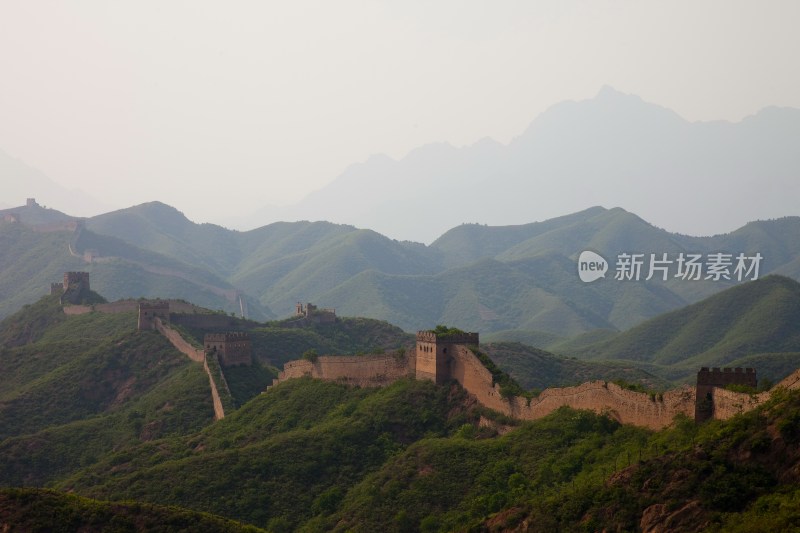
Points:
x=629, y=407
x=728, y=403
x=195, y=354
x=215, y=321
x=361, y=370
x=654, y=411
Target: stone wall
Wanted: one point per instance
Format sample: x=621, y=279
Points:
x=219, y=409
x=361, y=370
x=123, y=306
x=629, y=407
x=195, y=354
x=728, y=403
x=626, y=406
x=77, y=309
x=467, y=369
x=203, y=320
x=792, y=381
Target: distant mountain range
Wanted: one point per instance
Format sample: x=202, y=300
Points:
x=615, y=149
x=699, y=178
x=21, y=181
x=509, y=282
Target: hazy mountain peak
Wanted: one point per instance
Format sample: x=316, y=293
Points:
x=21, y=180
x=608, y=93
x=159, y=211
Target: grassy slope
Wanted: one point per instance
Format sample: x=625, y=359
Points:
x=757, y=317
x=274, y=343
x=29, y=262
x=319, y=456
x=739, y=475
x=496, y=278
x=286, y=455
x=535, y=368
x=36, y=510
x=87, y=384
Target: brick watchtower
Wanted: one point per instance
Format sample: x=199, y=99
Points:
x=433, y=359
x=708, y=379
x=78, y=281
x=149, y=311
x=232, y=348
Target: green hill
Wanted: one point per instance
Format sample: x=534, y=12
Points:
x=510, y=279
x=92, y=407
x=33, y=259
x=76, y=387
x=276, y=342
x=38, y=510
x=36, y=215
x=753, y=318
x=286, y=456
x=537, y=369
x=29, y=263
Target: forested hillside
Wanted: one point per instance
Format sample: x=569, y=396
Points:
x=95, y=408
x=514, y=281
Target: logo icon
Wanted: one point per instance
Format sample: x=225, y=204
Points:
x=591, y=266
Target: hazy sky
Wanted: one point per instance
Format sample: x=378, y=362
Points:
x=142, y=100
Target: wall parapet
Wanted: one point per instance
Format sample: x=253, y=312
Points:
x=726, y=376
x=654, y=411
x=469, y=338
x=361, y=370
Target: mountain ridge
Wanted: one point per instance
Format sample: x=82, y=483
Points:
x=615, y=148
x=486, y=278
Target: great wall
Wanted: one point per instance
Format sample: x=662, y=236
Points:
x=438, y=357
x=77, y=226
x=441, y=358
x=221, y=349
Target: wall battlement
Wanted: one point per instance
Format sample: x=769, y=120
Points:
x=707, y=380
x=721, y=377
x=76, y=278
x=452, y=359
x=463, y=338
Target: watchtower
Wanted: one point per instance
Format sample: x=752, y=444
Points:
x=716, y=377
x=149, y=311
x=232, y=348
x=77, y=281
x=312, y=313
x=434, y=351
